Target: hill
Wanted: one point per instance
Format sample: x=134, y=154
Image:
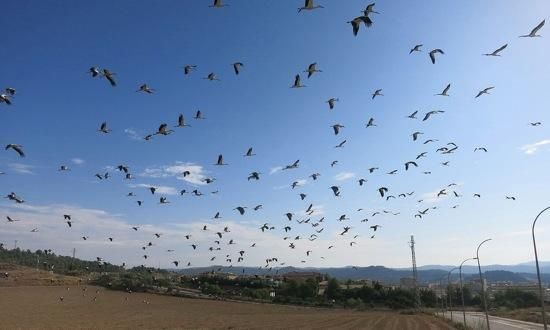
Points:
x=15, y=275
x=375, y=273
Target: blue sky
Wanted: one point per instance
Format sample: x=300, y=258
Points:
x=59, y=107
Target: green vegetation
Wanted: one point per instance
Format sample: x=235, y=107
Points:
x=300, y=292
x=47, y=260
x=514, y=298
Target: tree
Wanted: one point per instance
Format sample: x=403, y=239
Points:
x=333, y=290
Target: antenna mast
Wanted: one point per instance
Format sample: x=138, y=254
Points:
x=415, y=273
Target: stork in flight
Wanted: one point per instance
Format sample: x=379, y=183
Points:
x=445, y=91
x=311, y=69
x=356, y=23
x=145, y=89
x=218, y=4
x=496, y=52
x=484, y=91
x=237, y=67
x=308, y=5
x=188, y=68
x=376, y=93
x=331, y=102
x=181, y=122
x=533, y=32
x=297, y=82
x=17, y=148
x=109, y=76
x=211, y=76
x=370, y=9
x=433, y=52
x=103, y=128
x=416, y=48
x=220, y=161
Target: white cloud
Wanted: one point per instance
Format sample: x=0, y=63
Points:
x=275, y=169
x=342, y=176
x=530, y=149
x=132, y=134
x=162, y=190
x=21, y=168
x=196, y=172
x=78, y=161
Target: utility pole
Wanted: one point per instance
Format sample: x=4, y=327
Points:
x=15, y=244
x=415, y=274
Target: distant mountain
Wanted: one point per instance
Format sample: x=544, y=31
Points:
x=526, y=267
x=375, y=273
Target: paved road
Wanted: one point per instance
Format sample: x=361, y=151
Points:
x=477, y=321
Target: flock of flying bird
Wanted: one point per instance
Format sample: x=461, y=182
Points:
x=307, y=217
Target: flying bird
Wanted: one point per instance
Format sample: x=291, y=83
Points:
x=331, y=102
x=103, y=128
x=237, y=67
x=415, y=135
x=109, y=76
x=297, y=82
x=370, y=9
x=428, y=114
x=17, y=148
x=94, y=71
x=370, y=123
x=145, y=89
x=445, y=91
x=311, y=69
x=220, y=161
x=5, y=98
x=218, y=4
x=336, y=128
x=407, y=164
x=375, y=227
x=181, y=122
x=198, y=115
x=356, y=23
x=163, y=130
x=416, y=48
x=413, y=115
x=377, y=93
x=341, y=144
x=240, y=209
x=433, y=52
x=533, y=32
x=249, y=153
x=496, y=52
x=188, y=68
x=308, y=5
x=484, y=91
x=211, y=76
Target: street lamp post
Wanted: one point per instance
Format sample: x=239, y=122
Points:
x=484, y=297
x=450, y=293
x=541, y=292
x=462, y=289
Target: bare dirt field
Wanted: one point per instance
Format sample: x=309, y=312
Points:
x=24, y=307
x=19, y=275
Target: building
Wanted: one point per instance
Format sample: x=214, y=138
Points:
x=407, y=282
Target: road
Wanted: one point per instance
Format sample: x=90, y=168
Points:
x=477, y=321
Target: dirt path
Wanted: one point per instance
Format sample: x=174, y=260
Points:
x=40, y=307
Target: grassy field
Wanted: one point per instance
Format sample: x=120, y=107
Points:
x=41, y=307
